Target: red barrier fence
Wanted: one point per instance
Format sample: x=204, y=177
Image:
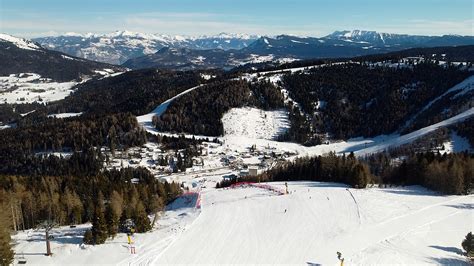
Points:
x=195, y=194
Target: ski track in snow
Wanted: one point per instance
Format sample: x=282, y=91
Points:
x=146, y=120
x=463, y=87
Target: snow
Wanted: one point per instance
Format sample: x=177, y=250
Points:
x=462, y=88
x=245, y=132
x=64, y=115
x=249, y=225
x=67, y=245
x=207, y=76
x=31, y=87
x=19, y=42
x=456, y=143
x=295, y=41
x=146, y=119
x=255, y=123
x=67, y=57
x=407, y=138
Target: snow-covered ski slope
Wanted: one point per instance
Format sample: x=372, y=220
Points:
x=371, y=226
x=249, y=225
x=146, y=119
x=410, y=137
x=461, y=88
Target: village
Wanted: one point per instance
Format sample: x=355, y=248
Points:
x=164, y=164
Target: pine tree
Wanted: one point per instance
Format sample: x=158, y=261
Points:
x=468, y=245
x=113, y=213
x=99, y=224
x=6, y=252
x=140, y=218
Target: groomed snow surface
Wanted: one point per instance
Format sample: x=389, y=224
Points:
x=249, y=225
x=255, y=123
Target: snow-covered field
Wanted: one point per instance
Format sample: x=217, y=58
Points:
x=31, y=87
x=255, y=123
x=248, y=225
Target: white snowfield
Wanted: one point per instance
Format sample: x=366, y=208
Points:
x=31, y=87
x=255, y=123
x=65, y=115
x=372, y=226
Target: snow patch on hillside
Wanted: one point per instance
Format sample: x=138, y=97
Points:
x=255, y=123
x=456, y=143
x=19, y=42
x=65, y=115
x=31, y=87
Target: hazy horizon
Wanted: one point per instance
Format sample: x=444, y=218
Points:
x=29, y=18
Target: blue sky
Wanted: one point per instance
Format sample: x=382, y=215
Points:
x=32, y=18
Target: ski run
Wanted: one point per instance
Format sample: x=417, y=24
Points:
x=254, y=225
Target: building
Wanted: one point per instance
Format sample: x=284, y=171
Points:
x=253, y=170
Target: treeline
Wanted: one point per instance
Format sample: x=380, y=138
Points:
x=331, y=168
x=137, y=92
x=353, y=100
x=109, y=197
x=448, y=173
x=12, y=112
x=464, y=53
x=200, y=111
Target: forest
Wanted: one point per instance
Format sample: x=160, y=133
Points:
x=136, y=92
x=448, y=173
x=199, y=112
x=353, y=100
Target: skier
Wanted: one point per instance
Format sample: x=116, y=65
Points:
x=339, y=257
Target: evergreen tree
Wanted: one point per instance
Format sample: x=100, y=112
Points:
x=99, y=224
x=113, y=213
x=468, y=245
x=6, y=252
x=140, y=218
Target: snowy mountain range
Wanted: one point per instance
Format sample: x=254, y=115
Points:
x=119, y=46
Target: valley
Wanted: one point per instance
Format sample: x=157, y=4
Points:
x=142, y=148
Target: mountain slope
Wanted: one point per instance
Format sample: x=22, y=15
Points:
x=341, y=44
x=22, y=56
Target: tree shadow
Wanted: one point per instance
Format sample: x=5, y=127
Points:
x=411, y=192
x=449, y=249
x=450, y=261
x=465, y=206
